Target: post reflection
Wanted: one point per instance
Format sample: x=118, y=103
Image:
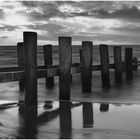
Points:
x=28, y=118
x=48, y=104
x=65, y=120
x=104, y=107
x=28, y=121
x=87, y=115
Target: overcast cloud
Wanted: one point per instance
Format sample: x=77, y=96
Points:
x=112, y=22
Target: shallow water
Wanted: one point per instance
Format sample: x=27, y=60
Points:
x=112, y=113
x=70, y=120
x=128, y=90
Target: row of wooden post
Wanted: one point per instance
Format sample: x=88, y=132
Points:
x=27, y=60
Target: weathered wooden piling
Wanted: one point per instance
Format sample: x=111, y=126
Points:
x=118, y=64
x=104, y=59
x=21, y=59
x=47, y=49
x=65, y=54
x=86, y=72
x=128, y=63
x=30, y=44
x=80, y=54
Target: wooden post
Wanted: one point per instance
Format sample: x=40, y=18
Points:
x=65, y=54
x=118, y=64
x=21, y=59
x=104, y=59
x=30, y=44
x=47, y=49
x=128, y=62
x=80, y=54
x=86, y=66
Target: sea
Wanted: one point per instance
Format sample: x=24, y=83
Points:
x=112, y=113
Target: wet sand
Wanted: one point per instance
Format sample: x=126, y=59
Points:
x=70, y=120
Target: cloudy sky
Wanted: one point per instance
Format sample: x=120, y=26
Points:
x=111, y=22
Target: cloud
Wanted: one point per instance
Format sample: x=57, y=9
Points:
x=8, y=28
x=101, y=9
x=9, y=7
x=3, y=37
x=127, y=12
x=43, y=10
x=48, y=31
x=1, y=13
x=130, y=29
x=90, y=5
x=30, y=3
x=124, y=13
x=50, y=27
x=34, y=10
x=109, y=39
x=83, y=20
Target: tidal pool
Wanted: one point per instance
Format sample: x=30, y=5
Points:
x=63, y=119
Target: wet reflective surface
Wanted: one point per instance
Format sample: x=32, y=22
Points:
x=53, y=119
x=127, y=92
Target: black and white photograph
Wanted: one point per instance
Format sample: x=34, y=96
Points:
x=69, y=69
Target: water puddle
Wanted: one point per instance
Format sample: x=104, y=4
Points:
x=53, y=119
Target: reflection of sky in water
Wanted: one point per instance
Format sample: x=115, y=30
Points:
x=121, y=119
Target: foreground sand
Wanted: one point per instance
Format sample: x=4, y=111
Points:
x=70, y=120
